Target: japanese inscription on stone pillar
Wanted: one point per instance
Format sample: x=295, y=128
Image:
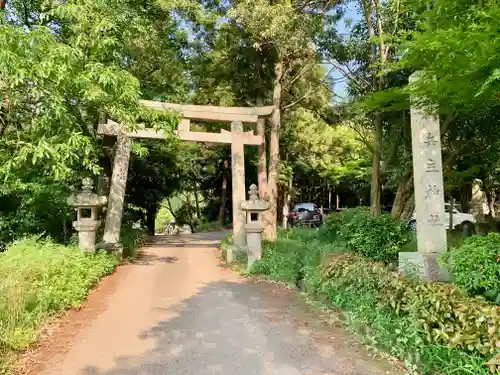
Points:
x=428, y=179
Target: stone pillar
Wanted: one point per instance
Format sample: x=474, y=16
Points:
x=478, y=203
x=117, y=190
x=429, y=196
x=238, y=182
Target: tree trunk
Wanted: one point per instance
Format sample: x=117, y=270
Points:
x=465, y=197
x=170, y=208
x=286, y=202
x=222, y=210
x=197, y=202
x=490, y=197
x=403, y=193
x=274, y=157
x=409, y=206
x=375, y=207
x=329, y=197
x=3, y=4
x=378, y=83
x=262, y=169
x=450, y=216
x=150, y=220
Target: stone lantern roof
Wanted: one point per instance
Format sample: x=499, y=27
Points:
x=86, y=198
x=254, y=204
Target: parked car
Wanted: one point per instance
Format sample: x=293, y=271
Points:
x=306, y=214
x=459, y=218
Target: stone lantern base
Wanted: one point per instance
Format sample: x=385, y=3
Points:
x=254, y=242
x=87, y=229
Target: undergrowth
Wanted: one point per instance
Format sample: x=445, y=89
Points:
x=132, y=240
x=39, y=278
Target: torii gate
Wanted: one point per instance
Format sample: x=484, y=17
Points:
x=236, y=137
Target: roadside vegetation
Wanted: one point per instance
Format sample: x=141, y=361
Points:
x=435, y=328
x=39, y=279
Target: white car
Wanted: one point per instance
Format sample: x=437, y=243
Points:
x=458, y=218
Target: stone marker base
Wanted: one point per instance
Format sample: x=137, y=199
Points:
x=231, y=249
x=423, y=266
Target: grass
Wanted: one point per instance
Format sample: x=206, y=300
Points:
x=38, y=279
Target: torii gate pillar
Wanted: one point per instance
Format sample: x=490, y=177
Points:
x=238, y=181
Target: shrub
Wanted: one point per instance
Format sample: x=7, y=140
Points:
x=435, y=327
x=132, y=240
x=379, y=238
x=39, y=278
x=475, y=265
x=441, y=314
x=336, y=222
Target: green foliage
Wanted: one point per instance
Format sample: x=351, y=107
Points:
x=39, y=278
x=475, y=265
x=378, y=238
x=441, y=314
x=163, y=218
x=63, y=65
x=209, y=226
x=435, y=328
x=132, y=240
x=38, y=207
x=295, y=255
x=283, y=260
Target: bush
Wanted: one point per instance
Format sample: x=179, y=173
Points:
x=475, y=265
x=132, y=240
x=378, y=238
x=439, y=315
x=336, y=222
x=39, y=278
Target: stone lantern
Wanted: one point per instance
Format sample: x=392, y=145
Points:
x=87, y=205
x=254, y=207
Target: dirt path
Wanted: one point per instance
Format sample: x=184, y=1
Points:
x=177, y=311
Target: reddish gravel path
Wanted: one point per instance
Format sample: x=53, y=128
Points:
x=177, y=311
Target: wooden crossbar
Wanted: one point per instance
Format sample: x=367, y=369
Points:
x=113, y=128
x=212, y=113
